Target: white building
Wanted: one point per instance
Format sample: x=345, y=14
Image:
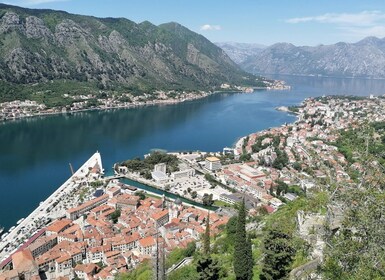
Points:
x=161, y=167
x=159, y=177
x=183, y=173
x=213, y=163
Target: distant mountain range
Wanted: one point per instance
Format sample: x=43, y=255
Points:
x=365, y=58
x=239, y=52
x=43, y=46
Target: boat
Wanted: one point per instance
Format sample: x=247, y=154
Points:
x=11, y=229
x=19, y=221
x=1, y=230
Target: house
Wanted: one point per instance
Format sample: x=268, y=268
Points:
x=147, y=245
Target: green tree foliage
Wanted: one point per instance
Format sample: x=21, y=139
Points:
x=115, y=215
x=142, y=272
x=278, y=255
x=141, y=194
x=186, y=273
x=356, y=252
x=282, y=159
x=208, y=268
x=231, y=226
x=207, y=199
x=242, y=248
x=146, y=165
x=206, y=236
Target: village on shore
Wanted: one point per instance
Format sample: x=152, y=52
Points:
x=105, y=227
x=18, y=109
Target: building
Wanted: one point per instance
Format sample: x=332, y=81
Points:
x=159, y=177
x=161, y=217
x=161, y=167
x=74, y=213
x=213, y=163
x=234, y=198
x=25, y=265
x=183, y=173
x=147, y=245
x=58, y=226
x=42, y=245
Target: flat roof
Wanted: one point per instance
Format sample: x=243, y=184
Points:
x=212, y=159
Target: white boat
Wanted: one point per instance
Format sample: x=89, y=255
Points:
x=19, y=221
x=1, y=230
x=11, y=229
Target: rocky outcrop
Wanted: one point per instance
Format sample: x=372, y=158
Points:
x=44, y=45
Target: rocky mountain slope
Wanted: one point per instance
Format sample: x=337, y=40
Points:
x=240, y=52
x=365, y=58
x=41, y=46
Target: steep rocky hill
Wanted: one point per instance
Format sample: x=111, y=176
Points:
x=42, y=46
x=239, y=52
x=365, y=58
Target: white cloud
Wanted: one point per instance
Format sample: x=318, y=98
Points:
x=358, y=25
x=207, y=27
x=364, y=18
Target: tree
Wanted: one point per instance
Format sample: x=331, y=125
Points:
x=242, y=267
x=231, y=226
x=140, y=194
x=207, y=199
x=194, y=195
x=115, y=215
x=207, y=267
x=206, y=237
x=278, y=255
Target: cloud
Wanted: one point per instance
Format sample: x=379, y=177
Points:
x=353, y=25
x=209, y=27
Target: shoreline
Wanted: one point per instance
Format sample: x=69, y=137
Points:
x=70, y=184
x=276, y=85
x=120, y=106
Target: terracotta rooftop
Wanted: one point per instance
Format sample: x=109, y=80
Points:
x=59, y=225
x=147, y=241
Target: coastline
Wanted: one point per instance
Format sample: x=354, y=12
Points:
x=188, y=96
x=119, y=106
x=70, y=184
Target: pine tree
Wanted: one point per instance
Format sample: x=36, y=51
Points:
x=206, y=237
x=250, y=263
x=207, y=267
x=279, y=254
x=243, y=264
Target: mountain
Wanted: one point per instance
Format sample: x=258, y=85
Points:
x=46, y=46
x=239, y=52
x=365, y=58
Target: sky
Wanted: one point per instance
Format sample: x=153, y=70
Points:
x=300, y=22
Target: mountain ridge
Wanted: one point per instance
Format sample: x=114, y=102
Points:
x=41, y=46
x=365, y=58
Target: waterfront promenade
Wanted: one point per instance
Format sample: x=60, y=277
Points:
x=46, y=210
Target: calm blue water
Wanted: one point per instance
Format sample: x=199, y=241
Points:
x=35, y=153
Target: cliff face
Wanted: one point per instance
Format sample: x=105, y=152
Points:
x=38, y=46
x=365, y=58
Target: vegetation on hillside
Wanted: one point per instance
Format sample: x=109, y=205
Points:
x=39, y=48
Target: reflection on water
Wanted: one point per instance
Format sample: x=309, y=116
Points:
x=34, y=153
